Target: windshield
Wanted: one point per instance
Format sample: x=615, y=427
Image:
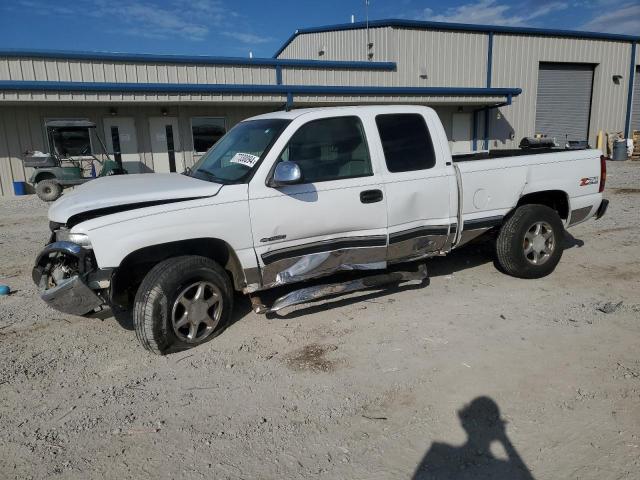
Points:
x=234, y=156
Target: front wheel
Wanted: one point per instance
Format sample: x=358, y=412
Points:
x=182, y=302
x=529, y=244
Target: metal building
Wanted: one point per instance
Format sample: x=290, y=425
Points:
x=490, y=85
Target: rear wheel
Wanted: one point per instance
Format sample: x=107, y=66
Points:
x=182, y=302
x=48, y=190
x=529, y=244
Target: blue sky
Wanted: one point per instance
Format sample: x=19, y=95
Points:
x=233, y=28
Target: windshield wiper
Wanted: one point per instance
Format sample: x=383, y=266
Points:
x=212, y=177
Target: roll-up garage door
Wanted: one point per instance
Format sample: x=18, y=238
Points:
x=635, y=109
x=564, y=101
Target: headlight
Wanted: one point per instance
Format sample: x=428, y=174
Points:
x=64, y=235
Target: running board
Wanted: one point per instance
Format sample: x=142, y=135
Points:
x=317, y=292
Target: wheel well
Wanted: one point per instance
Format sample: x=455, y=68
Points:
x=44, y=176
x=555, y=199
x=136, y=265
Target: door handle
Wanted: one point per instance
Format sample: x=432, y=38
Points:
x=371, y=196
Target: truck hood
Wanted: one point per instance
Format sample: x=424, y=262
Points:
x=112, y=194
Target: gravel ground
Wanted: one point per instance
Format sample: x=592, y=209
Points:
x=369, y=386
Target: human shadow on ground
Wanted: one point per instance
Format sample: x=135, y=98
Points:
x=474, y=459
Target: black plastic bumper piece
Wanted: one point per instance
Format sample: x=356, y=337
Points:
x=602, y=209
x=72, y=296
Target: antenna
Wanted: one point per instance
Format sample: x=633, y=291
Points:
x=369, y=43
x=366, y=14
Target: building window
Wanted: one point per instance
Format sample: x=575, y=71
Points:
x=206, y=131
x=69, y=140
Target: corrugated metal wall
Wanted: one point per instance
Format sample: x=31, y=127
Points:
x=424, y=58
x=446, y=59
x=22, y=128
x=342, y=45
x=515, y=64
x=460, y=59
x=12, y=68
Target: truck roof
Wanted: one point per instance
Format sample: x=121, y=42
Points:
x=295, y=113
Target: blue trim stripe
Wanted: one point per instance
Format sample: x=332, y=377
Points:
x=195, y=59
x=487, y=120
x=12, y=85
x=459, y=27
x=489, y=77
x=632, y=73
x=475, y=131
x=489, y=59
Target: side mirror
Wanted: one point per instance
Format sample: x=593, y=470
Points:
x=286, y=173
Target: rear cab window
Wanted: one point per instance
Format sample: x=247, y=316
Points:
x=406, y=142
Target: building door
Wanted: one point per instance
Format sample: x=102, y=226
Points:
x=165, y=145
x=461, y=133
x=564, y=101
x=635, y=109
x=122, y=143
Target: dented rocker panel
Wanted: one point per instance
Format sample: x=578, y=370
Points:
x=321, y=259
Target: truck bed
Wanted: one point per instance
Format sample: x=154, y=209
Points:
x=494, y=154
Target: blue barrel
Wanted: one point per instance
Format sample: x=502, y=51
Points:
x=19, y=188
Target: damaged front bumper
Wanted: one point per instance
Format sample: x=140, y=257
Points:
x=70, y=295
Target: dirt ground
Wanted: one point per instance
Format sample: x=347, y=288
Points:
x=475, y=375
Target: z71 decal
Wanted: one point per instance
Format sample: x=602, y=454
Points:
x=588, y=181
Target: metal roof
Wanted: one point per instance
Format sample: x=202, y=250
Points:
x=195, y=59
x=34, y=85
x=460, y=27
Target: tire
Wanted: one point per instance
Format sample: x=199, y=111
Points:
x=48, y=190
x=162, y=297
x=525, y=251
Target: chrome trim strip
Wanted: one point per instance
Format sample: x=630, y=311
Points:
x=305, y=267
x=422, y=231
x=309, y=294
x=324, y=246
x=482, y=223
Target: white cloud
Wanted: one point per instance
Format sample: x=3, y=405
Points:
x=624, y=19
x=188, y=19
x=248, y=38
x=491, y=12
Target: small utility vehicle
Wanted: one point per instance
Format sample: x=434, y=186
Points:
x=60, y=169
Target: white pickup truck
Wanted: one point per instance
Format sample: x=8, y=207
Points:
x=291, y=196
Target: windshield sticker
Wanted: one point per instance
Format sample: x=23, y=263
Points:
x=245, y=159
